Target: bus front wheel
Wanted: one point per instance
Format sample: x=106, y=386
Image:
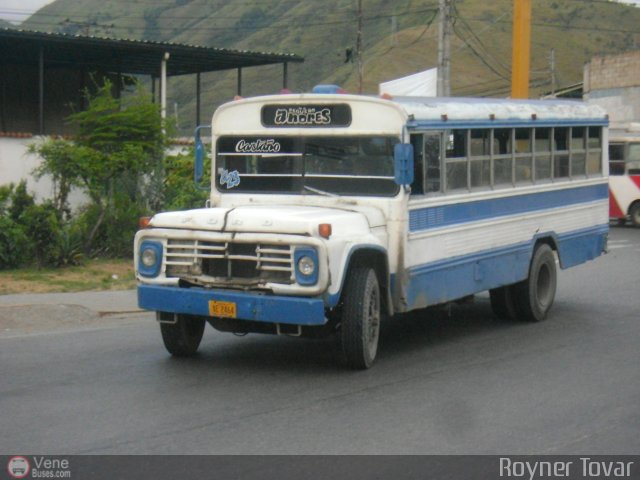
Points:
x=182, y=337
x=503, y=303
x=534, y=296
x=361, y=316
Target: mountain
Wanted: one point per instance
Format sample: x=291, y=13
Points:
x=399, y=37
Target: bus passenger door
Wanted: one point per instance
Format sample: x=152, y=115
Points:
x=421, y=249
x=426, y=163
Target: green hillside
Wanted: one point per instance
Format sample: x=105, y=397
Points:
x=399, y=38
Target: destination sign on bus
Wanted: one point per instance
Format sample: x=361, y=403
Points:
x=306, y=116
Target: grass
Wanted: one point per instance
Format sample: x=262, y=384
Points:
x=92, y=275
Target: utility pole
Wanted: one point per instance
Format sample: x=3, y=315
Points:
x=444, y=49
x=520, y=49
x=359, y=46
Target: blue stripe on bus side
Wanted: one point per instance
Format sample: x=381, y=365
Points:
x=446, y=215
x=450, y=279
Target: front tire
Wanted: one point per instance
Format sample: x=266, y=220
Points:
x=503, y=303
x=182, y=338
x=534, y=296
x=361, y=317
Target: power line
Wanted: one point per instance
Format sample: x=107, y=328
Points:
x=481, y=44
x=247, y=28
x=63, y=14
x=568, y=27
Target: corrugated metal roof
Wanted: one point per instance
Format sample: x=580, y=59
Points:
x=126, y=56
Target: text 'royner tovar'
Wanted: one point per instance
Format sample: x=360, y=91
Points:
x=587, y=467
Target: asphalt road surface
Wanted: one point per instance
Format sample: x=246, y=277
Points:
x=459, y=383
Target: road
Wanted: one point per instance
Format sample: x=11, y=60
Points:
x=459, y=384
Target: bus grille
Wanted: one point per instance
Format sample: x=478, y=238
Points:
x=227, y=260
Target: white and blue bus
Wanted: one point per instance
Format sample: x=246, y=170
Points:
x=329, y=212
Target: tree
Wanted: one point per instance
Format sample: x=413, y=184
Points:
x=118, y=148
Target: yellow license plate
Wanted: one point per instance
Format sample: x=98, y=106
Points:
x=222, y=309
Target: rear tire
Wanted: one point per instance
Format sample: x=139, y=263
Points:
x=182, y=338
x=634, y=214
x=534, y=296
x=361, y=317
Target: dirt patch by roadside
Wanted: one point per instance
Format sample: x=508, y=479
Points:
x=21, y=320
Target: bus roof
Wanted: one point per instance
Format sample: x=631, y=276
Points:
x=460, y=109
x=431, y=112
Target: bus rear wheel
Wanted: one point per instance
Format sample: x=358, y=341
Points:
x=361, y=317
x=182, y=337
x=634, y=214
x=534, y=296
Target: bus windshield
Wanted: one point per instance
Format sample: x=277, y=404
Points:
x=351, y=165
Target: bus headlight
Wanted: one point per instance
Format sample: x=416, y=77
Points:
x=306, y=266
x=306, y=262
x=150, y=259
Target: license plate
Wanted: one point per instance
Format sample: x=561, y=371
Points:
x=222, y=309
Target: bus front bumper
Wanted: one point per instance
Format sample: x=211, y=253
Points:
x=240, y=305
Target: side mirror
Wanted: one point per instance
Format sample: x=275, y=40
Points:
x=403, y=163
x=198, y=170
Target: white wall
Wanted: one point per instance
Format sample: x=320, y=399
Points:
x=622, y=105
x=17, y=164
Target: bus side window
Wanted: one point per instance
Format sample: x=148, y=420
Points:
x=456, y=159
x=616, y=159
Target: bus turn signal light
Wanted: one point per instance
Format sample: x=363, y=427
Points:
x=324, y=229
x=143, y=222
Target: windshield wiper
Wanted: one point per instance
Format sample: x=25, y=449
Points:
x=320, y=192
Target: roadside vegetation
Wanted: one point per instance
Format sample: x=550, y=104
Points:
x=93, y=274
x=117, y=159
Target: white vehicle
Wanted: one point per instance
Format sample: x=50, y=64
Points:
x=624, y=180
x=329, y=212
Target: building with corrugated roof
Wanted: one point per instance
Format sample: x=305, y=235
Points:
x=43, y=76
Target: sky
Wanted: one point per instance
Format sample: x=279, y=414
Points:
x=16, y=11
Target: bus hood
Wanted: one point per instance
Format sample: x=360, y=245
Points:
x=285, y=219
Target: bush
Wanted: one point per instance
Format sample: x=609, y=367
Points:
x=43, y=228
x=14, y=244
x=121, y=226
x=70, y=246
x=180, y=192
x=20, y=200
x=114, y=238
x=5, y=198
